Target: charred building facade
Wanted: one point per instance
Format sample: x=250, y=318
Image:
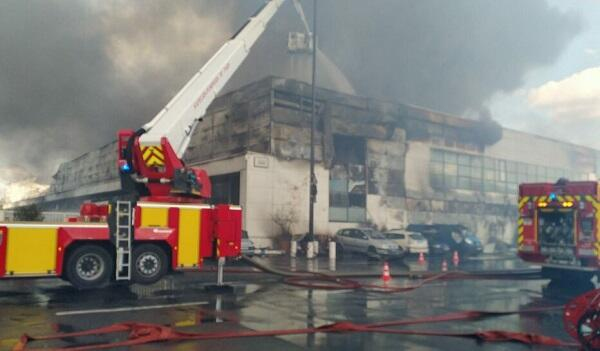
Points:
x=378, y=163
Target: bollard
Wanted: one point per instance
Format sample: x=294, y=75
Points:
x=310, y=254
x=220, y=266
x=293, y=264
x=316, y=248
x=310, y=265
x=332, y=250
x=293, y=248
x=218, y=308
x=332, y=263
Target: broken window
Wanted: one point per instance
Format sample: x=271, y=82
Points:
x=347, y=180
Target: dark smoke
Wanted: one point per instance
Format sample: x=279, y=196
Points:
x=74, y=72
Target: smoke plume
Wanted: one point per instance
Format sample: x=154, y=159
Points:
x=73, y=72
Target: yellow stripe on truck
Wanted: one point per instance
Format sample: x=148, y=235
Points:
x=189, y=237
x=31, y=251
x=155, y=217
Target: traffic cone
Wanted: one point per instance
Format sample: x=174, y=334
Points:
x=421, y=258
x=455, y=258
x=444, y=266
x=386, y=277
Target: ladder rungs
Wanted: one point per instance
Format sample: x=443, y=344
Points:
x=123, y=240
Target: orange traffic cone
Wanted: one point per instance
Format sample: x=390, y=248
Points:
x=455, y=258
x=386, y=277
x=421, y=258
x=444, y=266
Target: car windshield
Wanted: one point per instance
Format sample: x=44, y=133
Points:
x=393, y=235
x=471, y=236
x=417, y=236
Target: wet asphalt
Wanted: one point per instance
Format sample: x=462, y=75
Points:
x=261, y=301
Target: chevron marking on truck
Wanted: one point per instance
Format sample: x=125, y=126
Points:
x=520, y=237
x=153, y=156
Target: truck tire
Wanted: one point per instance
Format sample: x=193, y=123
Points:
x=89, y=267
x=149, y=264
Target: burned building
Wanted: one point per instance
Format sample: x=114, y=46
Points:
x=378, y=163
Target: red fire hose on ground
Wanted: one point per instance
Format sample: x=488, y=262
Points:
x=342, y=281
x=144, y=333
x=581, y=316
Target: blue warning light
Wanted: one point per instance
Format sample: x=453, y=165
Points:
x=552, y=197
x=125, y=168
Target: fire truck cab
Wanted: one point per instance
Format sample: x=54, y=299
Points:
x=558, y=226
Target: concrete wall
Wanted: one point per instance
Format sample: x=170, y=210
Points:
x=537, y=150
x=262, y=132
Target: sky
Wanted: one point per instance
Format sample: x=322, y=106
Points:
x=561, y=100
x=73, y=72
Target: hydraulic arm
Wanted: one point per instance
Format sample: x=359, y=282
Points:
x=150, y=158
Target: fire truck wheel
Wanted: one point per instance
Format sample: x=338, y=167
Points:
x=149, y=264
x=89, y=267
x=588, y=330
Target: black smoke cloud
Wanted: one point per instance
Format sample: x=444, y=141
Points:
x=73, y=72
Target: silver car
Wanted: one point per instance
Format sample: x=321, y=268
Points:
x=366, y=241
x=412, y=242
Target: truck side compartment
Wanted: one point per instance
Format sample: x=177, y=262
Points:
x=38, y=249
x=174, y=236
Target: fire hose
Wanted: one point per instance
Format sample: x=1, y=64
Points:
x=342, y=281
x=144, y=333
x=581, y=316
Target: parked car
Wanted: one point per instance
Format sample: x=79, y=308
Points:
x=366, y=241
x=445, y=238
x=411, y=242
x=247, y=244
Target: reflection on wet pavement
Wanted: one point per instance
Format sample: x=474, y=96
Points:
x=262, y=301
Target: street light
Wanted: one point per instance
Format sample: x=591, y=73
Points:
x=313, y=180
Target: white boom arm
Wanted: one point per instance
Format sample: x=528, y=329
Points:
x=179, y=117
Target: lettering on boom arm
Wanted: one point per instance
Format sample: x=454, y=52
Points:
x=211, y=86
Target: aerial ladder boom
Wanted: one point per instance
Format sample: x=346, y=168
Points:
x=180, y=116
x=150, y=159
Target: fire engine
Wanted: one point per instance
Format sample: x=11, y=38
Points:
x=163, y=222
x=558, y=227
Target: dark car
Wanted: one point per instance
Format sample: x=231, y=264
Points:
x=444, y=238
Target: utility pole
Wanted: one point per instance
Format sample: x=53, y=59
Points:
x=313, y=178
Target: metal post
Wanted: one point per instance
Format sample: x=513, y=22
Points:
x=313, y=183
x=310, y=253
x=218, y=308
x=293, y=248
x=221, y=265
x=332, y=252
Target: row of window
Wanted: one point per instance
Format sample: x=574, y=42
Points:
x=452, y=170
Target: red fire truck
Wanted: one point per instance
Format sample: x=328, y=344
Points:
x=162, y=223
x=558, y=227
